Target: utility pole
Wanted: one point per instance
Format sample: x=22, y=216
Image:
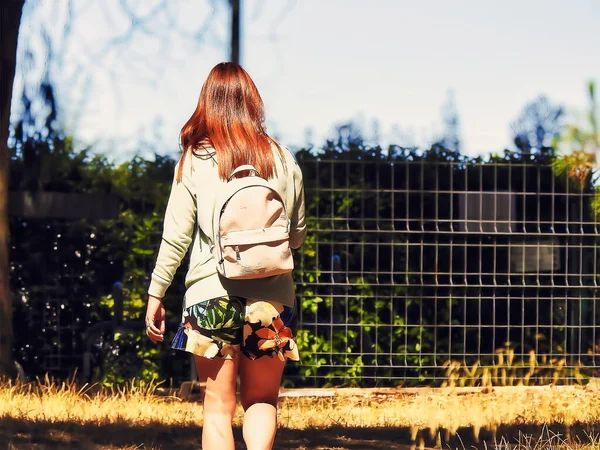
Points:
x=235, y=30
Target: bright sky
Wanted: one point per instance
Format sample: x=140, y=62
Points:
x=319, y=63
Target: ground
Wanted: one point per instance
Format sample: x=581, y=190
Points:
x=50, y=416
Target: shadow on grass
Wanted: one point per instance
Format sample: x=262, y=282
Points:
x=39, y=435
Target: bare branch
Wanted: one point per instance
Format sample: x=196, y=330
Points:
x=205, y=27
x=119, y=55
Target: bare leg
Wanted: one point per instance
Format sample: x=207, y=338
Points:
x=218, y=379
x=259, y=381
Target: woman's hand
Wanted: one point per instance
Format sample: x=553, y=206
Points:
x=155, y=319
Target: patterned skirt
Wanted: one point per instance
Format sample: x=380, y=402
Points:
x=224, y=327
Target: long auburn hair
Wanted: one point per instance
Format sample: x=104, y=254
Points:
x=230, y=118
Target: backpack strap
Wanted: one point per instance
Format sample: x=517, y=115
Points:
x=237, y=170
x=241, y=169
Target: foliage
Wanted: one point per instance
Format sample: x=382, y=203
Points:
x=584, y=136
x=65, y=274
x=579, y=146
x=450, y=138
x=538, y=125
x=69, y=268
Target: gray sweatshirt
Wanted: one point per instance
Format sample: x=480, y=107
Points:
x=189, y=220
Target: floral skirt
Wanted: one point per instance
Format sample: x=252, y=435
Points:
x=224, y=327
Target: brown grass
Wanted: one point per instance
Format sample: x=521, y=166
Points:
x=45, y=415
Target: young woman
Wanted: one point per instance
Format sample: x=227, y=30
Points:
x=233, y=327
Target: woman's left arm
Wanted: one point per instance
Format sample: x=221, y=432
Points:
x=178, y=231
x=298, y=225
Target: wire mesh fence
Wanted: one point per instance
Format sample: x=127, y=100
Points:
x=413, y=264
x=410, y=263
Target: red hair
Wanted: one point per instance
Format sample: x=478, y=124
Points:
x=230, y=117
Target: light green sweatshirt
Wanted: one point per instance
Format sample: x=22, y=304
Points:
x=189, y=220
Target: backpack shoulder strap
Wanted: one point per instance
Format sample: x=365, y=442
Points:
x=241, y=169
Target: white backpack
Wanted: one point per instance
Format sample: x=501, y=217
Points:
x=252, y=229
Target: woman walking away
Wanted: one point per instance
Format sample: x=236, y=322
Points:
x=238, y=201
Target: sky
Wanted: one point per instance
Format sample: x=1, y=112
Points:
x=318, y=63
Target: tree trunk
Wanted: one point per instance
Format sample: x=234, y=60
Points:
x=10, y=19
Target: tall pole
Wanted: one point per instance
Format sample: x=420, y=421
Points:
x=235, y=31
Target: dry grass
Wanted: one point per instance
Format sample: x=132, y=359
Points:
x=46, y=415
x=66, y=402
x=447, y=409
x=509, y=370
